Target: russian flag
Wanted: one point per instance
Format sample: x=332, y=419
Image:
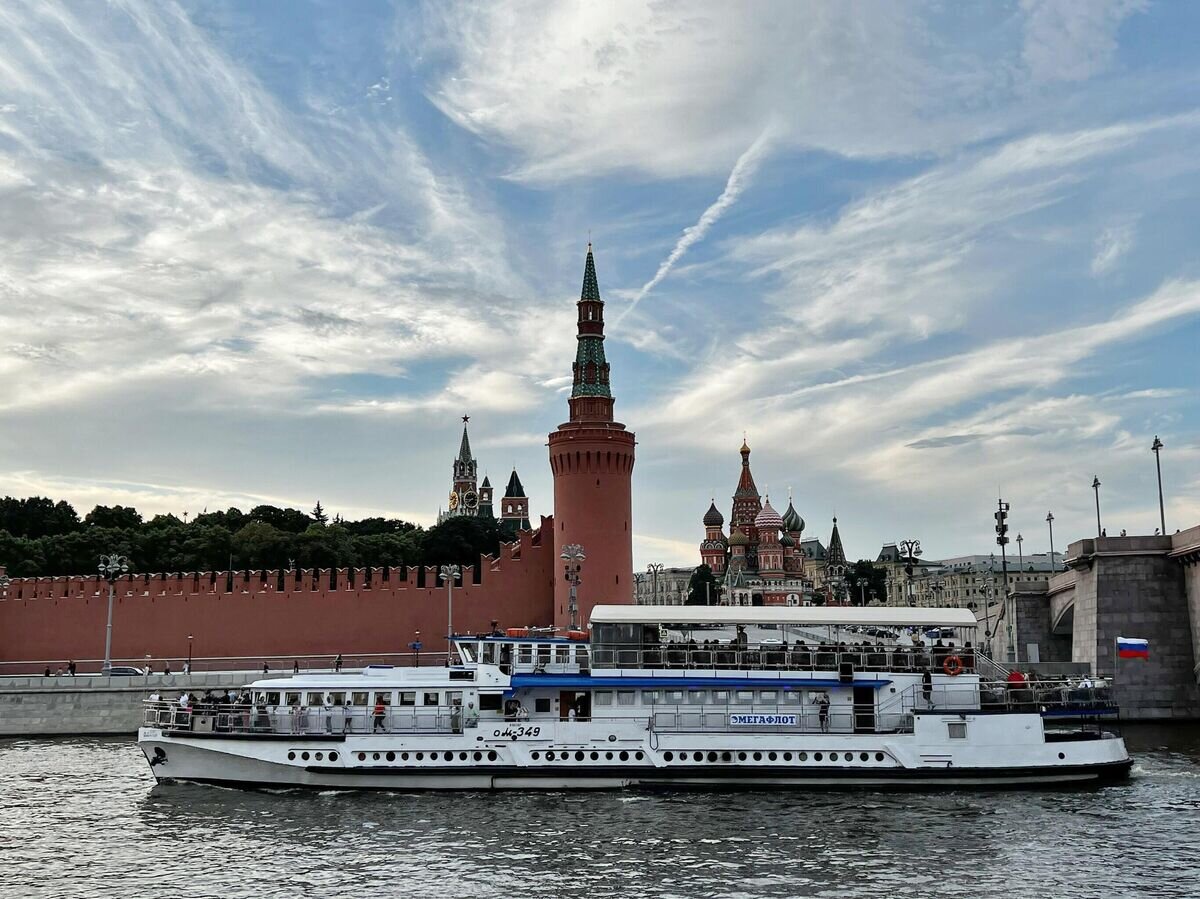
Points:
x=1133, y=648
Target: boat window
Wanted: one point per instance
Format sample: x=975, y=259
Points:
x=792, y=696
x=720, y=696
x=581, y=656
x=650, y=697
x=490, y=702
x=272, y=697
x=696, y=697
x=385, y=698
x=560, y=654
x=358, y=699
x=745, y=696
x=543, y=653
x=675, y=696
x=604, y=697
x=624, y=697
x=430, y=699
x=524, y=654
x=467, y=652
x=489, y=653
x=316, y=699
x=337, y=698
x=408, y=697
x=292, y=698
x=957, y=730
x=768, y=695
x=454, y=697
x=542, y=704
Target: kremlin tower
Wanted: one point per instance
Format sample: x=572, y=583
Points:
x=591, y=458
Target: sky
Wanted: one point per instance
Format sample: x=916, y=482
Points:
x=920, y=255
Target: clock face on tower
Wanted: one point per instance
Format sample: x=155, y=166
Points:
x=470, y=500
x=453, y=500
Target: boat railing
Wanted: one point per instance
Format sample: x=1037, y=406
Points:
x=768, y=657
x=249, y=719
x=1050, y=698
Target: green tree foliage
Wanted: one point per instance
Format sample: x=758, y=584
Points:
x=702, y=587
x=876, y=579
x=43, y=537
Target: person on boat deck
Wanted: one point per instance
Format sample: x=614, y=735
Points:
x=337, y=663
x=822, y=701
x=380, y=711
x=927, y=686
x=471, y=718
x=295, y=667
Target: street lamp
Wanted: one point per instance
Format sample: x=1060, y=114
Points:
x=189, y=664
x=654, y=568
x=1020, y=551
x=872, y=592
x=111, y=566
x=639, y=578
x=449, y=573
x=573, y=555
x=910, y=549
x=1050, y=524
x=861, y=583
x=936, y=587
x=1096, y=487
x=1162, y=515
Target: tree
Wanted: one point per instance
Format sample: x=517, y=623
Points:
x=259, y=545
x=37, y=516
x=292, y=521
x=876, y=580
x=324, y=546
x=113, y=517
x=318, y=514
x=702, y=587
x=461, y=540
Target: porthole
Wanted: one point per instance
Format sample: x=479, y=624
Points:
x=291, y=756
x=535, y=755
x=668, y=756
x=879, y=756
x=741, y=756
x=549, y=756
x=758, y=756
x=608, y=756
x=819, y=757
x=462, y=756
x=478, y=756
x=638, y=755
x=624, y=756
x=404, y=756
x=420, y=756
x=803, y=756
x=362, y=756
x=595, y=756
x=1062, y=755
x=697, y=756
x=862, y=756
x=579, y=756
x=712, y=756
x=449, y=756
x=333, y=756
x=391, y=756
x=320, y=756
x=787, y=756
x=375, y=756
x=771, y=756
x=492, y=756
x=727, y=756
x=304, y=755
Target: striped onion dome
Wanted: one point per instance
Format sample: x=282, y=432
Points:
x=768, y=519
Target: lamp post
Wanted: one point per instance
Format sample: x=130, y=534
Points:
x=572, y=554
x=449, y=573
x=639, y=578
x=111, y=566
x=1096, y=487
x=936, y=587
x=1020, y=551
x=1162, y=515
x=653, y=569
x=189, y=664
x=415, y=646
x=1050, y=525
x=861, y=583
x=910, y=549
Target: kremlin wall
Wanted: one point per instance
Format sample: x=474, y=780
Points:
x=362, y=613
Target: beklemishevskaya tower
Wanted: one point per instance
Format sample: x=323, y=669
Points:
x=591, y=459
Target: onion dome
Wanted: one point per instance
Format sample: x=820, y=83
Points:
x=738, y=538
x=786, y=540
x=713, y=517
x=768, y=519
x=792, y=522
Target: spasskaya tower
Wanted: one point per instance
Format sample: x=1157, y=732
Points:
x=591, y=458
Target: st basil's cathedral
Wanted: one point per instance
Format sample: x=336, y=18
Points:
x=765, y=560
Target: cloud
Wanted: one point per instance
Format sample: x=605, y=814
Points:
x=1111, y=245
x=1067, y=41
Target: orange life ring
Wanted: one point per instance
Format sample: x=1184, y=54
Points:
x=953, y=666
x=517, y=632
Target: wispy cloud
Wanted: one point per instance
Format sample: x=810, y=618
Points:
x=1111, y=245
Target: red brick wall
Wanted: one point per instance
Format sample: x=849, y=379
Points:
x=47, y=619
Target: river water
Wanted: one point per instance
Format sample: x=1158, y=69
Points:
x=83, y=818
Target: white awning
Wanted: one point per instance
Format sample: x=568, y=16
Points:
x=878, y=616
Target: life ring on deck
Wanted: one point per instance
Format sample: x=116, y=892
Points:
x=953, y=666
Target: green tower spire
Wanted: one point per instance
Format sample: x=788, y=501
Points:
x=591, y=368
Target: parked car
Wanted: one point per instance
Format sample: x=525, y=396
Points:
x=125, y=671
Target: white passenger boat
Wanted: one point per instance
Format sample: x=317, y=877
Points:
x=810, y=697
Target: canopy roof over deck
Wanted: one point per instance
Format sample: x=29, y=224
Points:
x=878, y=616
